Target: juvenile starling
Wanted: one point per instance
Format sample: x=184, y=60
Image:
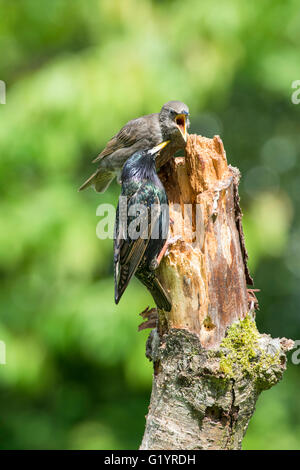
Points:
x=142, y=133
x=140, y=253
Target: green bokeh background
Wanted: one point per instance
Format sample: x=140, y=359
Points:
x=76, y=375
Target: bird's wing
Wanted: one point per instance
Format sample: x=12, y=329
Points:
x=131, y=133
x=129, y=252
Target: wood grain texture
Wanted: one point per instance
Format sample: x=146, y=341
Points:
x=204, y=270
x=210, y=362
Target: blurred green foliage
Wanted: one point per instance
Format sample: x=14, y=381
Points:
x=76, y=375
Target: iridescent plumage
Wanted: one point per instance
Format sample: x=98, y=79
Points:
x=139, y=241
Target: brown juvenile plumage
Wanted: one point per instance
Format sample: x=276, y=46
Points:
x=144, y=132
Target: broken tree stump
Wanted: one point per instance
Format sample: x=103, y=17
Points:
x=210, y=362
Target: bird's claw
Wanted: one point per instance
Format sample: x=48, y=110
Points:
x=252, y=299
x=150, y=315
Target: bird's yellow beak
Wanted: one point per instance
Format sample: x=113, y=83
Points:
x=159, y=147
x=180, y=120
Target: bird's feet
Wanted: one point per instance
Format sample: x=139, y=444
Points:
x=252, y=300
x=151, y=317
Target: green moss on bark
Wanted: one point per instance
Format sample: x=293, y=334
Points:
x=240, y=351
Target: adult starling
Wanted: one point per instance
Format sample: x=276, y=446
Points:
x=139, y=252
x=142, y=133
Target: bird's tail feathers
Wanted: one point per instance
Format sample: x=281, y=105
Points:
x=160, y=296
x=157, y=291
x=101, y=179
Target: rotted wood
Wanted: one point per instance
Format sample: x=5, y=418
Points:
x=206, y=266
x=194, y=404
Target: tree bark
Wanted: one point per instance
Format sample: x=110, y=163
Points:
x=210, y=362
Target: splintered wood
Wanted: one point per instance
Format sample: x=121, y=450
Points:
x=205, y=267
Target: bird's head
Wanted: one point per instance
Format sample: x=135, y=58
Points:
x=154, y=152
x=174, y=120
x=142, y=163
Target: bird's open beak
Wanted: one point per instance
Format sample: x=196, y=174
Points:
x=158, y=147
x=181, y=124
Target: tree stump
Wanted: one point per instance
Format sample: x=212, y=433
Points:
x=210, y=362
